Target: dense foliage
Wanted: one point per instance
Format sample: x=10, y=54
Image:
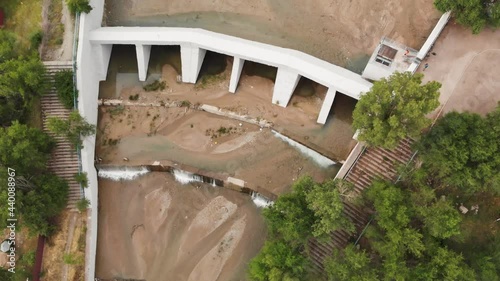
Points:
x=475, y=14
x=79, y=6
x=311, y=210
x=21, y=79
x=24, y=149
x=50, y=196
x=65, y=89
x=278, y=261
x=463, y=150
x=395, y=108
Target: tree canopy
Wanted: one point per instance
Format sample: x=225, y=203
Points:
x=475, y=14
x=350, y=265
x=310, y=210
x=79, y=6
x=49, y=196
x=463, y=150
x=402, y=245
x=21, y=79
x=278, y=261
x=25, y=149
x=395, y=108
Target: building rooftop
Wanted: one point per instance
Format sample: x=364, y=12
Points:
x=388, y=57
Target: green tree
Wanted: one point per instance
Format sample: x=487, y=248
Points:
x=395, y=108
x=24, y=75
x=289, y=217
x=79, y=6
x=24, y=149
x=73, y=128
x=12, y=107
x=50, y=196
x=443, y=264
x=350, y=265
x=463, y=150
x=64, y=85
x=326, y=203
x=7, y=45
x=278, y=261
x=4, y=274
x=475, y=14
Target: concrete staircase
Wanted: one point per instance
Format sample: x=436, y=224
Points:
x=64, y=160
x=373, y=163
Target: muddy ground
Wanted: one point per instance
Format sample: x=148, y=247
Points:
x=342, y=32
x=175, y=232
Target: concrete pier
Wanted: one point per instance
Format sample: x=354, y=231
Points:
x=103, y=52
x=285, y=84
x=191, y=60
x=143, y=53
x=235, y=74
x=326, y=106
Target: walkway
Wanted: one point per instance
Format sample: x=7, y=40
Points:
x=372, y=163
x=64, y=160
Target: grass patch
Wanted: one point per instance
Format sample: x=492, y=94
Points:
x=208, y=80
x=23, y=18
x=155, y=86
x=117, y=110
x=56, y=28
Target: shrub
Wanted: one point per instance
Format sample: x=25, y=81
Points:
x=155, y=86
x=36, y=39
x=79, y=6
x=82, y=179
x=72, y=259
x=82, y=204
x=185, y=103
x=65, y=88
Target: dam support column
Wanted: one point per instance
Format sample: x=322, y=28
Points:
x=143, y=53
x=235, y=74
x=286, y=81
x=191, y=61
x=103, y=54
x=326, y=106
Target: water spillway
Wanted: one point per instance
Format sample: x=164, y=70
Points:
x=318, y=158
x=119, y=173
x=261, y=201
x=128, y=173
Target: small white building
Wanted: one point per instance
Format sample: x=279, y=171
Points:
x=389, y=57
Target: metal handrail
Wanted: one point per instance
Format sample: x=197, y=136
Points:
x=75, y=90
x=354, y=163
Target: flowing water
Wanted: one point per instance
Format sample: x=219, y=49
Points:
x=306, y=151
x=122, y=173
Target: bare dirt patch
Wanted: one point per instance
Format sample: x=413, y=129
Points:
x=203, y=231
x=466, y=65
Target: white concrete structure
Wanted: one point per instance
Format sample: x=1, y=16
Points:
x=405, y=59
x=194, y=43
x=389, y=57
x=94, y=52
x=235, y=74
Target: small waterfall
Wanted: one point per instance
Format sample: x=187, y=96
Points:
x=260, y=201
x=315, y=156
x=122, y=173
x=187, y=177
